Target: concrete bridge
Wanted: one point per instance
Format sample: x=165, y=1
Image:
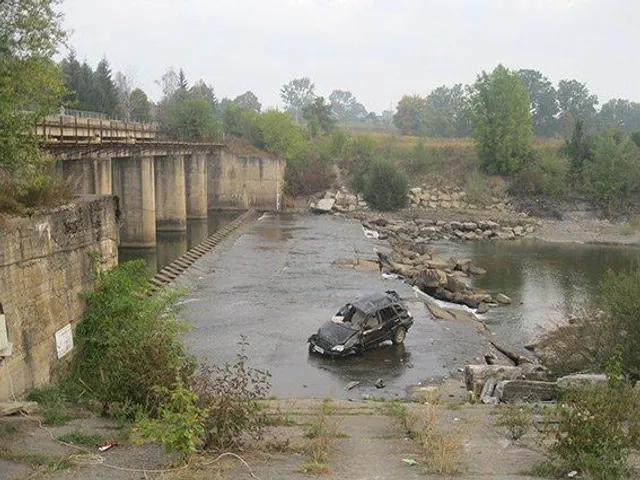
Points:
x=160, y=183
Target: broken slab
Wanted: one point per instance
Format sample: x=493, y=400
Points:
x=12, y=408
x=510, y=391
x=475, y=376
x=582, y=381
x=323, y=206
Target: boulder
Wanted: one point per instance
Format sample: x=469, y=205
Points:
x=439, y=313
x=526, y=391
x=503, y=299
x=519, y=230
x=506, y=235
x=463, y=316
x=455, y=226
x=471, y=236
x=323, y=206
x=456, y=284
x=469, y=226
x=477, y=270
x=463, y=265
x=433, y=278
x=329, y=194
x=416, y=192
x=535, y=371
x=476, y=375
x=482, y=308
x=582, y=381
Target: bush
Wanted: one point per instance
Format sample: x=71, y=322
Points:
x=129, y=342
x=515, y=419
x=231, y=395
x=477, y=189
x=545, y=174
x=419, y=159
x=385, y=185
x=596, y=427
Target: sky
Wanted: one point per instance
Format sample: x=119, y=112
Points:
x=379, y=50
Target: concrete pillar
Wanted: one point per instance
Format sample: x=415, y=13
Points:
x=79, y=175
x=133, y=183
x=102, y=175
x=214, y=176
x=195, y=176
x=171, y=206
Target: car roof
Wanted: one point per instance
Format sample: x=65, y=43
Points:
x=376, y=301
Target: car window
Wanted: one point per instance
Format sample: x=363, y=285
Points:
x=358, y=318
x=387, y=314
x=371, y=322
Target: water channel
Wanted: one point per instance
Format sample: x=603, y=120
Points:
x=171, y=245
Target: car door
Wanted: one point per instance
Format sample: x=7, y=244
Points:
x=388, y=320
x=372, y=334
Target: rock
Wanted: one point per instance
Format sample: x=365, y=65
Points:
x=471, y=236
x=12, y=408
x=503, y=299
x=428, y=394
x=469, y=226
x=352, y=385
x=518, y=231
x=482, y=308
x=379, y=383
x=506, y=235
x=455, y=226
x=329, y=194
x=535, y=371
x=463, y=265
x=416, y=192
x=526, y=391
x=462, y=316
x=460, y=234
x=582, y=381
x=477, y=270
x=439, y=313
x=476, y=375
x=467, y=300
x=323, y=206
x=446, y=204
x=486, y=394
x=456, y=284
x=431, y=278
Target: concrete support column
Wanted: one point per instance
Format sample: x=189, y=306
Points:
x=171, y=206
x=214, y=176
x=195, y=176
x=133, y=183
x=102, y=176
x=79, y=174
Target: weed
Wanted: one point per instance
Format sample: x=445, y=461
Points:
x=311, y=467
x=442, y=453
x=48, y=394
x=515, y=419
x=76, y=437
x=322, y=433
x=477, y=190
x=56, y=415
x=231, y=393
x=544, y=470
x=400, y=413
x=7, y=429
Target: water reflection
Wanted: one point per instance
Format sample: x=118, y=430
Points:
x=171, y=245
x=543, y=279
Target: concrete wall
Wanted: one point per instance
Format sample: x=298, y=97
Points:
x=44, y=265
x=243, y=181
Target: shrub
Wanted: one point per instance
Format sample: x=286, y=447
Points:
x=546, y=174
x=515, y=419
x=179, y=424
x=419, y=159
x=477, y=189
x=385, y=185
x=231, y=395
x=129, y=341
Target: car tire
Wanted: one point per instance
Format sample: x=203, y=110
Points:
x=399, y=334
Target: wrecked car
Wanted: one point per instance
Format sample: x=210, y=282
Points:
x=363, y=324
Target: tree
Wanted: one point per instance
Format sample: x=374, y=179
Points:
x=238, y=121
x=296, y=95
x=31, y=86
x=104, y=96
x=444, y=113
x=140, y=106
x=124, y=88
x=319, y=117
x=410, y=114
x=385, y=185
x=579, y=148
x=201, y=90
x=619, y=113
x=502, y=125
x=193, y=119
x=74, y=80
x=575, y=101
x=544, y=101
x=248, y=101
x=345, y=107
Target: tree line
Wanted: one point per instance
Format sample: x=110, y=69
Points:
x=446, y=111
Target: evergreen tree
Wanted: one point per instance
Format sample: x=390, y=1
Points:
x=104, y=95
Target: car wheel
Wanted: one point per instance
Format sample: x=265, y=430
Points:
x=399, y=335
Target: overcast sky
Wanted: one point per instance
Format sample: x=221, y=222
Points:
x=377, y=49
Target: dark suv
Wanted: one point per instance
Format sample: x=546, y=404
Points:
x=363, y=324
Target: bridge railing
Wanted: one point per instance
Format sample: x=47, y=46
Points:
x=91, y=129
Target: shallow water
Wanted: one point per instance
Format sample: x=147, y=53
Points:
x=543, y=279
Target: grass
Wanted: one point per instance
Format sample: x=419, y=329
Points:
x=36, y=460
x=6, y=429
x=545, y=470
x=517, y=420
x=76, y=437
x=55, y=415
x=322, y=434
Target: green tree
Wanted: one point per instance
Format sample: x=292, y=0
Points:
x=544, y=101
x=104, y=95
x=409, y=116
x=575, y=101
x=502, y=125
x=193, y=119
x=345, y=107
x=619, y=113
x=579, y=148
x=248, y=101
x=296, y=95
x=239, y=122
x=385, y=185
x=140, y=106
x=445, y=113
x=319, y=117
x=613, y=174
x=31, y=86
x=200, y=89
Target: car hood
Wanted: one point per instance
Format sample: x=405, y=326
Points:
x=336, y=333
